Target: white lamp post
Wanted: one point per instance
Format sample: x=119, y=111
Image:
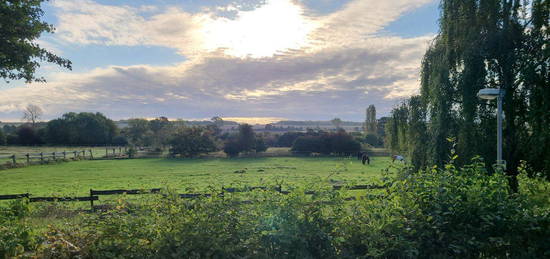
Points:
x=491, y=94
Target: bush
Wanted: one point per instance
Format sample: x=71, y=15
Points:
x=435, y=213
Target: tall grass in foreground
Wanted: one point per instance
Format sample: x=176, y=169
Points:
x=440, y=212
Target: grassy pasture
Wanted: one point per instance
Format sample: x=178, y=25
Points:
x=76, y=178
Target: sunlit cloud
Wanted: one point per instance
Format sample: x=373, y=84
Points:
x=278, y=60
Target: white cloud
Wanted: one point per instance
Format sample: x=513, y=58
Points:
x=323, y=66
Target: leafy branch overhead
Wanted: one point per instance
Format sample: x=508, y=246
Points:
x=20, y=28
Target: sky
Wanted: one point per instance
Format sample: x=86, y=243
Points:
x=255, y=60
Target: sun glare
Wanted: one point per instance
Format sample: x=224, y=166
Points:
x=274, y=27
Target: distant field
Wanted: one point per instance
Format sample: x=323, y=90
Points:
x=76, y=178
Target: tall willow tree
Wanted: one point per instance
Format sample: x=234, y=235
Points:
x=484, y=43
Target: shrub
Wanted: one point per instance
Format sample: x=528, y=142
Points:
x=435, y=213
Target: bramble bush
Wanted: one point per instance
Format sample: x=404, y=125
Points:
x=433, y=213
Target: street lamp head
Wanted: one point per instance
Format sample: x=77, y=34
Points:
x=489, y=93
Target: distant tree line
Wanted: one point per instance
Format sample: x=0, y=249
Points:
x=497, y=44
x=71, y=129
x=179, y=138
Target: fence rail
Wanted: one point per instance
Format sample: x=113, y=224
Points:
x=42, y=157
x=94, y=194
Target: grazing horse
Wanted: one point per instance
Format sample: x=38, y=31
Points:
x=365, y=159
x=398, y=158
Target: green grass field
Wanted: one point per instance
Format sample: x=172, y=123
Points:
x=76, y=178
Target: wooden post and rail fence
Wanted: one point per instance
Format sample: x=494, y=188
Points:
x=94, y=194
x=42, y=157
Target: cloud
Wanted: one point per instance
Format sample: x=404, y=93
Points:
x=275, y=26
x=329, y=66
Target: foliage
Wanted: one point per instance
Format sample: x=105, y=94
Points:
x=339, y=143
x=3, y=140
x=191, y=141
x=27, y=135
x=20, y=27
x=16, y=235
x=245, y=141
x=232, y=148
x=138, y=132
x=496, y=44
x=131, y=152
x=439, y=212
x=288, y=138
x=370, y=121
x=373, y=140
x=260, y=145
x=83, y=128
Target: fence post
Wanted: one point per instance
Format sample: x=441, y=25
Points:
x=41, y=157
x=106, y=152
x=64, y=155
x=84, y=154
x=28, y=158
x=91, y=200
x=54, y=158
x=91, y=154
x=120, y=150
x=74, y=152
x=13, y=159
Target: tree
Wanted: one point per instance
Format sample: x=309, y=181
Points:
x=192, y=141
x=218, y=121
x=32, y=114
x=337, y=122
x=245, y=141
x=3, y=139
x=20, y=27
x=370, y=122
x=246, y=138
x=162, y=129
x=490, y=43
x=28, y=136
x=83, y=128
x=138, y=132
x=232, y=147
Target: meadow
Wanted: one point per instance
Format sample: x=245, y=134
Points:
x=77, y=178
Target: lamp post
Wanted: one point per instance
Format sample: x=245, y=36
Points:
x=491, y=94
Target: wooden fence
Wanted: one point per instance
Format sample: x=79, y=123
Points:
x=94, y=194
x=42, y=157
